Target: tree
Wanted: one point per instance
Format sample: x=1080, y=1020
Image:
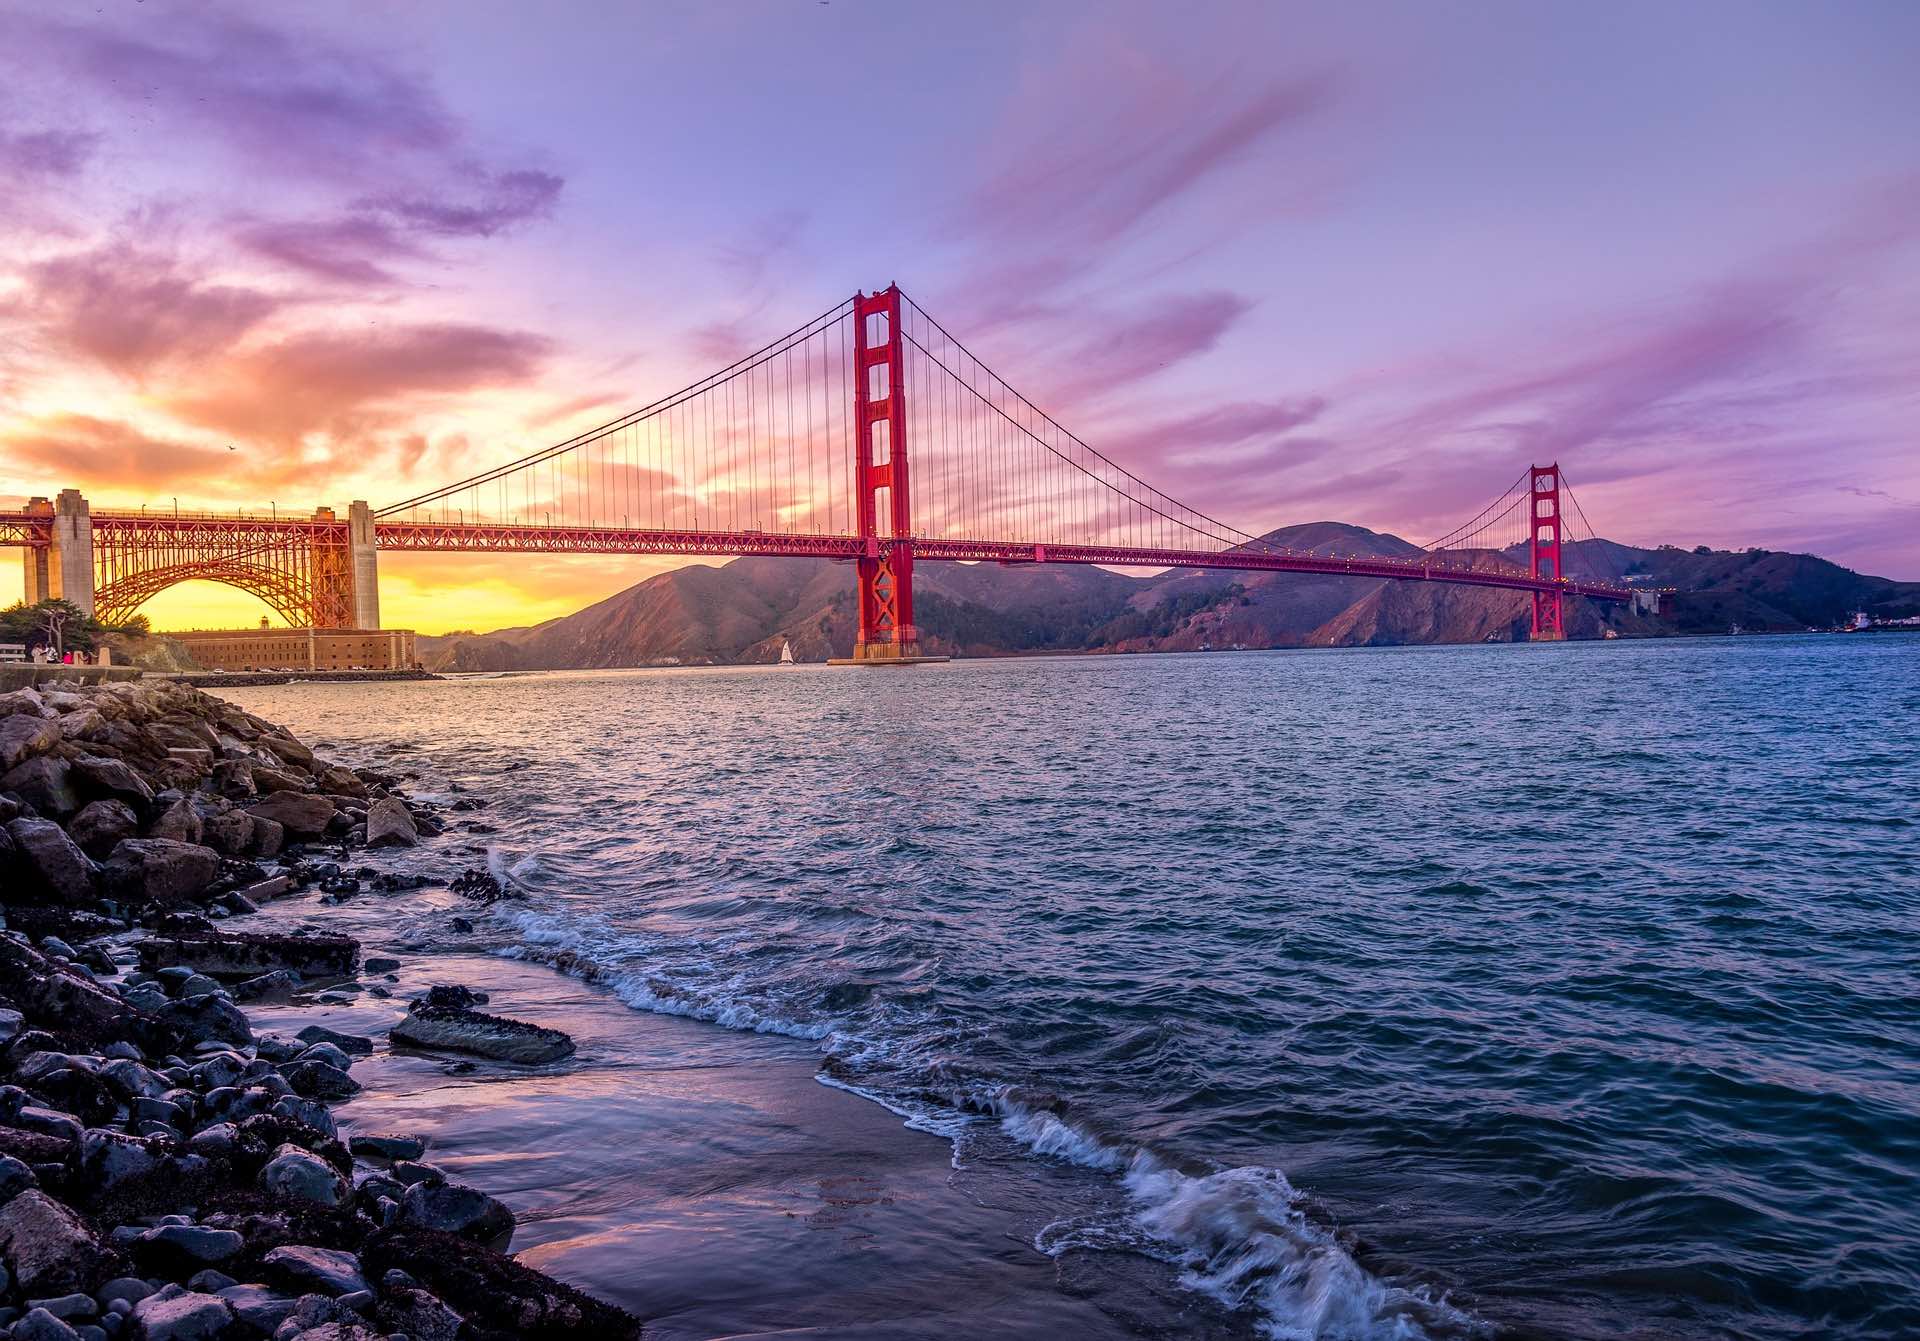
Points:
x=61, y=625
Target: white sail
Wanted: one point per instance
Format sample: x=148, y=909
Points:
x=786, y=652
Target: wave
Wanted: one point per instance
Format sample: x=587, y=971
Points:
x=1238, y=1235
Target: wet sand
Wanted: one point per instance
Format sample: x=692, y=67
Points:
x=698, y=1176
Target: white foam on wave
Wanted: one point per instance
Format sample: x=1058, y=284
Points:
x=1240, y=1236
x=560, y=943
x=1237, y=1234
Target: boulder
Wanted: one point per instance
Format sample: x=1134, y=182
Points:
x=45, y=783
x=179, y=822
x=233, y=779
x=300, y=1175
x=338, y=781
x=268, y=837
x=316, y=1079
x=230, y=834
x=42, y=1324
x=267, y=780
x=207, y=1019
x=302, y=814
x=373, y=1146
x=24, y=735
x=455, y=1208
x=390, y=824
x=258, y=1307
x=48, y=1249
x=100, y=826
x=174, y=1245
x=462, y=1030
x=159, y=870
x=95, y=776
x=53, y=869
x=356, y=1044
x=303, y=1268
x=279, y=983
x=241, y=955
x=189, y=1316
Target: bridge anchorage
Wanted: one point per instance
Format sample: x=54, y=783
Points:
x=869, y=435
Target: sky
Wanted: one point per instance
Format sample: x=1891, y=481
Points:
x=1289, y=263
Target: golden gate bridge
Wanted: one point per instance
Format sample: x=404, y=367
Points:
x=869, y=435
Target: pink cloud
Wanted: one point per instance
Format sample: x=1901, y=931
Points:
x=343, y=383
x=131, y=310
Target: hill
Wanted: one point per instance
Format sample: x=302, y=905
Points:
x=742, y=611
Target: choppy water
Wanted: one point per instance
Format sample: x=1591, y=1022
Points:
x=1562, y=991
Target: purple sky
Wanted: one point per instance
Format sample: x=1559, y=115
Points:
x=1289, y=263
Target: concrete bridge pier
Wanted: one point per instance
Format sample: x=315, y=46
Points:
x=70, y=560
x=34, y=560
x=364, y=559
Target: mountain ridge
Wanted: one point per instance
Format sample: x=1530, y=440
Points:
x=741, y=612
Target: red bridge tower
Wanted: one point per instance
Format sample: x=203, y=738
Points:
x=884, y=569
x=1543, y=542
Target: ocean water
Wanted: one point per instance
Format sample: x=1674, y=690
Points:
x=1557, y=991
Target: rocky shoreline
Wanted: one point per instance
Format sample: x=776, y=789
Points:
x=166, y=1173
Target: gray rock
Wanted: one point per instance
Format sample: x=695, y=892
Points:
x=133, y=1080
x=44, y=782
x=327, y=1270
x=40, y=1325
x=198, y=985
x=268, y=837
x=310, y=1111
x=390, y=824
x=302, y=814
x=53, y=868
x=179, y=823
x=112, y=778
x=23, y=736
x=100, y=826
x=257, y=1306
x=47, y=1248
x=66, y=1307
x=299, y=1175
x=195, y=1242
x=159, y=870
x=15, y=1178
x=210, y=1281
x=209, y=1019
x=379, y=965
x=224, y=954
x=279, y=983
x=128, y=1290
x=183, y=1317
x=325, y=1052
x=351, y=1043
x=463, y=1030
x=456, y=1209
x=373, y=1146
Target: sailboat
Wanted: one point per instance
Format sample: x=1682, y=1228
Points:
x=786, y=652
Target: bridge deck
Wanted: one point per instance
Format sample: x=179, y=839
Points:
x=27, y=529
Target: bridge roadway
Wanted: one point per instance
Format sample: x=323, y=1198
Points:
x=1473, y=567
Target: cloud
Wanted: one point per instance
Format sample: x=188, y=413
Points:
x=1139, y=344
x=282, y=100
x=1127, y=152
x=496, y=203
x=85, y=451
x=343, y=383
x=293, y=106
x=352, y=249
x=45, y=153
x=132, y=310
